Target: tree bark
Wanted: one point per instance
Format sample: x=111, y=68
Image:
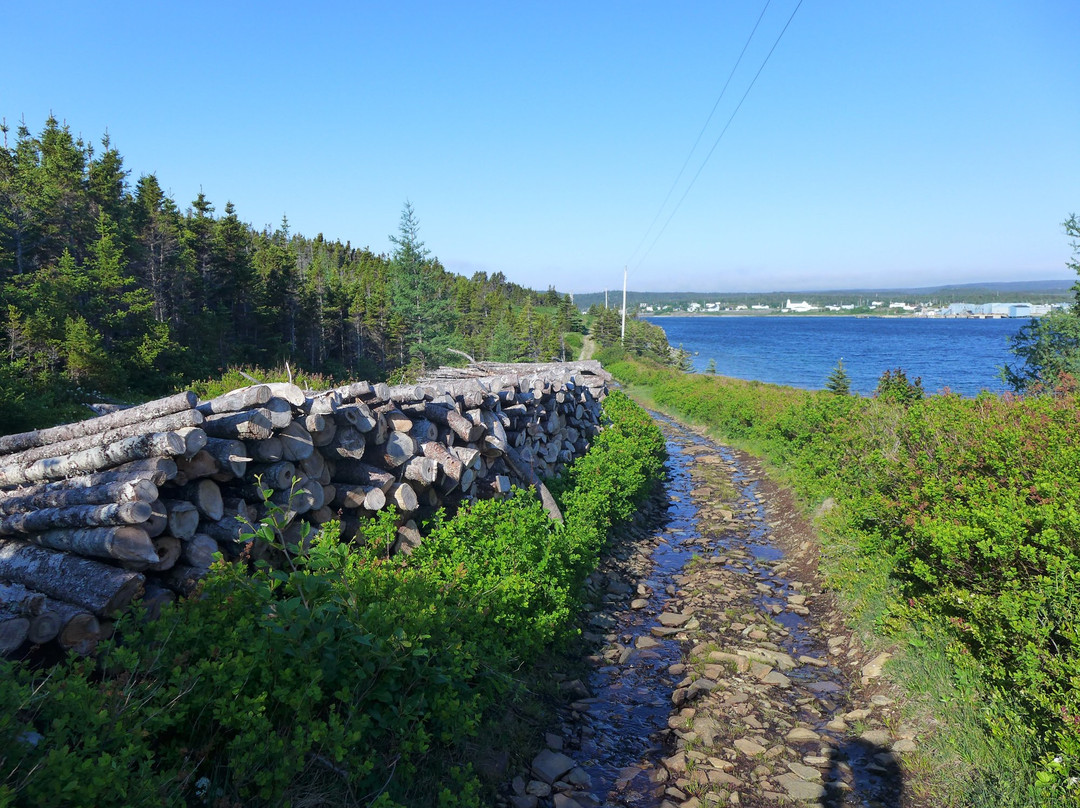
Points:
x=93, y=426
x=96, y=459
x=120, y=543
x=357, y=473
x=97, y=587
x=290, y=392
x=167, y=423
x=247, y=425
x=422, y=470
x=43, y=497
x=526, y=473
x=75, y=516
x=358, y=415
x=245, y=398
x=349, y=444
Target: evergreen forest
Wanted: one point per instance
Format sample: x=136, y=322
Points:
x=111, y=289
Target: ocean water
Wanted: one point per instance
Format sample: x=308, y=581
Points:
x=961, y=355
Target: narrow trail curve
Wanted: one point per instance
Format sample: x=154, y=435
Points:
x=722, y=676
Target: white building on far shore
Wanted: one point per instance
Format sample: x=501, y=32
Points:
x=799, y=307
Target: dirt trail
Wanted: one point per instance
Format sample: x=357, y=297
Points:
x=723, y=675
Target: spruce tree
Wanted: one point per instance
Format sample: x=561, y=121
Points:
x=839, y=383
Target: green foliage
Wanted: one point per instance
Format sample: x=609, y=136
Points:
x=337, y=669
x=839, y=383
x=118, y=291
x=1048, y=348
x=970, y=506
x=711, y=367
x=894, y=386
x=642, y=337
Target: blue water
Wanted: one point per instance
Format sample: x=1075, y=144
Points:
x=961, y=355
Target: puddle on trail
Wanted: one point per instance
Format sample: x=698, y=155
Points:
x=623, y=724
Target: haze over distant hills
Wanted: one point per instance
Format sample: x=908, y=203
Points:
x=1037, y=291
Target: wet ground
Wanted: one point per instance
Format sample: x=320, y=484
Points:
x=722, y=675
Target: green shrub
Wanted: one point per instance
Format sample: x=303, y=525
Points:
x=364, y=675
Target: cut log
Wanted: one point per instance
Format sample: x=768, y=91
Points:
x=16, y=599
x=155, y=598
x=524, y=471
x=201, y=464
x=424, y=430
x=357, y=415
x=356, y=473
x=247, y=425
x=403, y=495
x=75, y=516
x=90, y=460
x=94, y=426
x=129, y=491
x=290, y=392
x=468, y=456
x=296, y=443
x=320, y=516
x=450, y=466
x=199, y=550
x=158, y=470
x=280, y=412
x=313, y=466
x=168, y=552
x=278, y=476
x=168, y=423
x=226, y=531
x=231, y=455
x=326, y=435
x=269, y=450
x=183, y=518
x=44, y=627
x=97, y=587
x=205, y=495
x=158, y=521
x=13, y=631
x=245, y=398
x=121, y=543
x=397, y=420
x=352, y=496
x=349, y=444
x=183, y=579
x=422, y=470
x=461, y=426
x=408, y=538
x=398, y=449
x=194, y=440
x=313, y=422
x=322, y=403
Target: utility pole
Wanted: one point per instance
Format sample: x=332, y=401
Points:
x=606, y=306
x=624, y=305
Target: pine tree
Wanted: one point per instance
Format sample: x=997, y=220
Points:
x=838, y=382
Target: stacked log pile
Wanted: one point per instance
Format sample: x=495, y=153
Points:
x=135, y=503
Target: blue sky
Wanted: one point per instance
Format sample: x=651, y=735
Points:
x=884, y=143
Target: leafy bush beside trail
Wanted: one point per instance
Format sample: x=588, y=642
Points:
x=971, y=505
x=341, y=673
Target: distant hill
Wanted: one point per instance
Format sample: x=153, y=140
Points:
x=1038, y=291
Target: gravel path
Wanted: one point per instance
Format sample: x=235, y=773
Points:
x=722, y=675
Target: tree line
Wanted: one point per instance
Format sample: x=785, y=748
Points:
x=110, y=289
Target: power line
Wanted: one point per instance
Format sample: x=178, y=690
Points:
x=708, y=120
x=719, y=137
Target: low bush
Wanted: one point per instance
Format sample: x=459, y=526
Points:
x=339, y=672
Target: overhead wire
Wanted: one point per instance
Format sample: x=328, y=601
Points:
x=719, y=137
x=705, y=126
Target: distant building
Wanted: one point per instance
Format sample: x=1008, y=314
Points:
x=799, y=307
x=759, y=307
